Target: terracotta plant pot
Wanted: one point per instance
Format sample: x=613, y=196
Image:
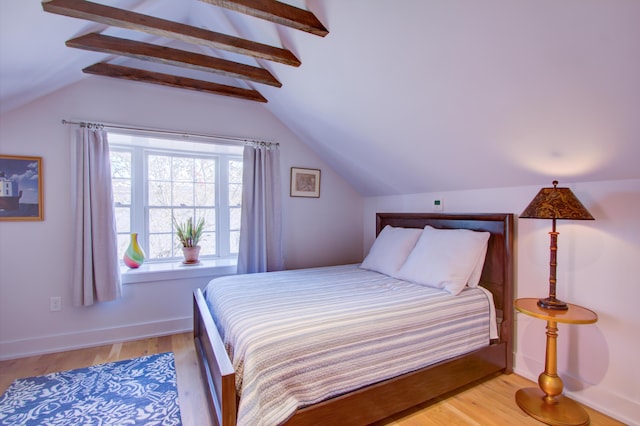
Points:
x=191, y=254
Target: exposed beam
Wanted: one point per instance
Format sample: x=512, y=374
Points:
x=160, y=27
x=275, y=11
x=166, y=55
x=127, y=73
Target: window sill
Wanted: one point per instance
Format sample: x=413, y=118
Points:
x=166, y=271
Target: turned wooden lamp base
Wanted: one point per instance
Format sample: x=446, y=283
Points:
x=565, y=412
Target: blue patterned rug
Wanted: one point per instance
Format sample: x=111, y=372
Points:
x=140, y=391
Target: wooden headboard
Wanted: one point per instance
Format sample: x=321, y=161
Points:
x=497, y=275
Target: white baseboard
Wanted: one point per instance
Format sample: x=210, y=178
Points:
x=88, y=338
x=613, y=405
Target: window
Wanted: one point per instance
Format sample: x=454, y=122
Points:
x=155, y=180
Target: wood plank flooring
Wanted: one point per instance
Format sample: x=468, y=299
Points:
x=488, y=403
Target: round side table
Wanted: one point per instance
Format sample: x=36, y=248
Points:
x=547, y=404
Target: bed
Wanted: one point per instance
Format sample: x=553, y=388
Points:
x=381, y=399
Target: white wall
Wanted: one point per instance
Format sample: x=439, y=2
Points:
x=598, y=268
x=35, y=257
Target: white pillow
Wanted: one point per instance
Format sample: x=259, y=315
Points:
x=444, y=258
x=474, y=279
x=390, y=249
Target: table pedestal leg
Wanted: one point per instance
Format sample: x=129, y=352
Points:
x=547, y=404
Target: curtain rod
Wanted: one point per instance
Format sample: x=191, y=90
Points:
x=184, y=135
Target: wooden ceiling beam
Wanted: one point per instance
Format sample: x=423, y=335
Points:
x=275, y=11
x=134, y=74
x=160, y=27
x=166, y=55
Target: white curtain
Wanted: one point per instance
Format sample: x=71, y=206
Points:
x=261, y=223
x=96, y=274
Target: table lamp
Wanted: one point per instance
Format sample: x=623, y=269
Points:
x=555, y=203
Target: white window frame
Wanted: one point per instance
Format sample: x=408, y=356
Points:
x=224, y=262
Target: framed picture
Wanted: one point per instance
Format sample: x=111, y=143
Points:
x=305, y=182
x=20, y=188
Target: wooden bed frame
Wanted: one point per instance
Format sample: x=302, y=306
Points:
x=380, y=400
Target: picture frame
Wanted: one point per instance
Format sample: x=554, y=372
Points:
x=305, y=182
x=21, y=188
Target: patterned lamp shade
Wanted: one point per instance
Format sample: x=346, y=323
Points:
x=556, y=203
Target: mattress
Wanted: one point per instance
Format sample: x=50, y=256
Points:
x=298, y=337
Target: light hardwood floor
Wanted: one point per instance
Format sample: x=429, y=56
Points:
x=489, y=403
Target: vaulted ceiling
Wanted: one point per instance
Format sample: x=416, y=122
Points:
x=397, y=96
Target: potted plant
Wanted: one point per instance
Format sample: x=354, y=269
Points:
x=189, y=235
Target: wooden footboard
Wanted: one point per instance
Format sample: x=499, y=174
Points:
x=216, y=367
x=379, y=400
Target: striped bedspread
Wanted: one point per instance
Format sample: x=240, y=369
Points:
x=299, y=337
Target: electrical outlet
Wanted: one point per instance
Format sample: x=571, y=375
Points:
x=438, y=205
x=55, y=304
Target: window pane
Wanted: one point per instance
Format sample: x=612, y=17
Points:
x=234, y=219
x=182, y=215
x=159, y=193
x=235, y=171
x=160, y=220
x=235, y=202
x=209, y=218
x=183, y=194
x=235, y=194
x=182, y=169
x=120, y=164
x=160, y=246
x=205, y=170
x=121, y=191
x=234, y=242
x=159, y=167
x=205, y=194
x=123, y=243
x=123, y=219
x=208, y=244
